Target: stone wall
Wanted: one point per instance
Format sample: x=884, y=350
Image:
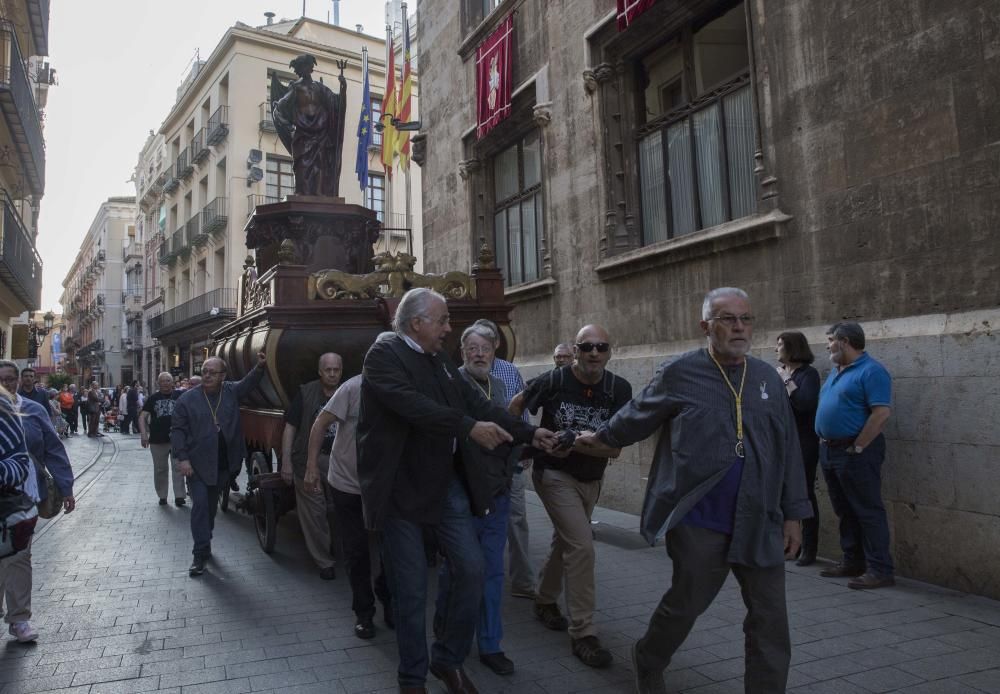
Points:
x=880, y=121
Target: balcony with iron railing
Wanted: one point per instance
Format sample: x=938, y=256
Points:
x=179, y=241
x=218, y=126
x=17, y=102
x=215, y=216
x=195, y=234
x=182, y=165
x=214, y=307
x=266, y=119
x=199, y=148
x=20, y=264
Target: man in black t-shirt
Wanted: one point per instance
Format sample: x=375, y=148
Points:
x=578, y=397
x=154, y=427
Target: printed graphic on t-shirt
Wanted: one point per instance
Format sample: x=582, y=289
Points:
x=580, y=417
x=163, y=408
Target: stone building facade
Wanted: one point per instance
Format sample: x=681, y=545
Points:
x=92, y=300
x=25, y=77
x=836, y=160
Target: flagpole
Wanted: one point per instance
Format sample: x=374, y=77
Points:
x=390, y=81
x=407, y=220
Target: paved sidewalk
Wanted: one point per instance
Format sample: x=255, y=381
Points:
x=118, y=614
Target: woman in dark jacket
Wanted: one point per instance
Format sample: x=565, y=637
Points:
x=802, y=384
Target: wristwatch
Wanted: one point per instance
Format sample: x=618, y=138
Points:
x=855, y=449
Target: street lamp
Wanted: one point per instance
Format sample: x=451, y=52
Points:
x=37, y=333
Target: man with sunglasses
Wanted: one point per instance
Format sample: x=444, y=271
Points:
x=582, y=395
x=726, y=486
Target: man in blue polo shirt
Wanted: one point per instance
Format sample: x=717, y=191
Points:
x=854, y=405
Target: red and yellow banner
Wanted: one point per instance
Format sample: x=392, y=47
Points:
x=403, y=137
x=389, y=108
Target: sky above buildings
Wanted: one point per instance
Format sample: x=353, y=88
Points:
x=119, y=63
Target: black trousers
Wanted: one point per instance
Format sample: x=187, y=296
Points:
x=699, y=571
x=71, y=418
x=354, y=537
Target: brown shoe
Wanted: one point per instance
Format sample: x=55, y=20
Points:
x=548, y=614
x=455, y=680
x=870, y=580
x=842, y=571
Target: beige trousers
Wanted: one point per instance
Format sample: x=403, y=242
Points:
x=570, y=504
x=312, y=509
x=15, y=584
x=163, y=469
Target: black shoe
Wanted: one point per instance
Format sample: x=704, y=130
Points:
x=328, y=574
x=364, y=629
x=806, y=557
x=163, y=502
x=549, y=615
x=590, y=652
x=233, y=485
x=497, y=662
x=197, y=567
x=179, y=501
x=454, y=679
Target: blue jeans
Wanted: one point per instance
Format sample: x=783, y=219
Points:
x=406, y=570
x=491, y=531
x=855, y=486
x=204, y=504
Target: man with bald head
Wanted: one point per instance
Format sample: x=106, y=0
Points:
x=154, y=430
x=206, y=441
x=582, y=395
x=312, y=507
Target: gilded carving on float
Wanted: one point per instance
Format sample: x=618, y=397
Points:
x=393, y=276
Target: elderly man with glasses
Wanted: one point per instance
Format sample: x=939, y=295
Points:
x=206, y=440
x=580, y=396
x=726, y=486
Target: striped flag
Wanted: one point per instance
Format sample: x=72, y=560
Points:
x=389, y=105
x=403, y=138
x=364, y=126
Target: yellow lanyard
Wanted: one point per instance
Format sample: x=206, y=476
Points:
x=488, y=391
x=215, y=419
x=739, y=401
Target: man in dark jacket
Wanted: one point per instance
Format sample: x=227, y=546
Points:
x=479, y=343
x=726, y=486
x=418, y=465
x=207, y=442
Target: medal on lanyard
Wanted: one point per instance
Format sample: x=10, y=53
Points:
x=738, y=396
x=215, y=410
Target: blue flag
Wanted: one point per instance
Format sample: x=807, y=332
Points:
x=364, y=133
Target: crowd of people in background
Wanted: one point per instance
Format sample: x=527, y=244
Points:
x=418, y=456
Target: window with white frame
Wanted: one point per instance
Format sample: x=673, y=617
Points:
x=375, y=195
x=280, y=178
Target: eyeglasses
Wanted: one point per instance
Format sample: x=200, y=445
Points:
x=745, y=319
x=601, y=347
x=476, y=349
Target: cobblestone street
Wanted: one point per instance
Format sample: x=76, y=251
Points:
x=117, y=613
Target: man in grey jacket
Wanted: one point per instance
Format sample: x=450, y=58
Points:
x=726, y=487
x=206, y=440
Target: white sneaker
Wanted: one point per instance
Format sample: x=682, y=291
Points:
x=23, y=631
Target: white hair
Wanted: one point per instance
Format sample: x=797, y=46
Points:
x=718, y=293
x=483, y=331
x=413, y=305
